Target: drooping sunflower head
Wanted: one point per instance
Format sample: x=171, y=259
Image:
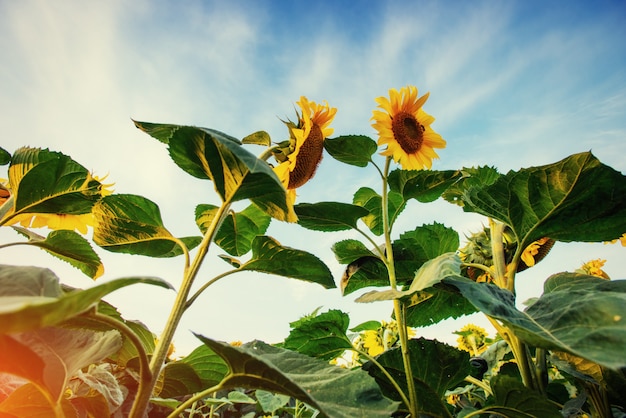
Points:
x=473, y=339
x=404, y=128
x=303, y=154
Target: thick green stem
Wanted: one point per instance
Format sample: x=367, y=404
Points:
x=398, y=309
x=506, y=280
x=160, y=352
x=497, y=252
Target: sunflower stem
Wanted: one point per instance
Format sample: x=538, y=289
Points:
x=507, y=281
x=160, y=352
x=497, y=252
x=398, y=308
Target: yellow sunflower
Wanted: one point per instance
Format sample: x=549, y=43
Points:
x=473, y=339
x=404, y=127
x=594, y=268
x=306, y=145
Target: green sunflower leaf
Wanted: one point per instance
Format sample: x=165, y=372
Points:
x=473, y=177
x=236, y=173
x=238, y=229
x=436, y=304
x=575, y=199
x=329, y=216
x=351, y=149
x=411, y=251
x=436, y=367
x=350, y=250
x=50, y=182
x=513, y=399
x=426, y=242
x=430, y=273
x=364, y=267
x=313, y=381
x=179, y=379
x=207, y=364
x=268, y=256
x=422, y=185
x=594, y=327
x=68, y=246
x=372, y=201
x=5, y=156
x=132, y=224
x=322, y=336
x=23, y=309
x=258, y=138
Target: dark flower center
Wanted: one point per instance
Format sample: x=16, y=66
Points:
x=408, y=132
x=308, y=158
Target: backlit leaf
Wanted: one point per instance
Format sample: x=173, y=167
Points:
x=132, y=224
x=236, y=173
x=50, y=182
x=258, y=138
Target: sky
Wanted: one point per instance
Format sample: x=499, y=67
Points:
x=512, y=84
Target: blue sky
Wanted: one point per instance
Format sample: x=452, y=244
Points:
x=512, y=84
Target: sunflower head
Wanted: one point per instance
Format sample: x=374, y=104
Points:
x=594, y=268
x=473, y=339
x=404, y=128
x=299, y=156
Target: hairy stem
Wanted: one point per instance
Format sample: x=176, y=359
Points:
x=160, y=352
x=398, y=309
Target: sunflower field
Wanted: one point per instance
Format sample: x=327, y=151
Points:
x=65, y=352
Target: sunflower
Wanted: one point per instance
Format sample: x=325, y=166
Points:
x=404, y=127
x=473, y=339
x=306, y=145
x=594, y=268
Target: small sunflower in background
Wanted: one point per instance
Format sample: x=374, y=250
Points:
x=621, y=239
x=473, y=339
x=594, y=268
x=298, y=161
x=404, y=128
